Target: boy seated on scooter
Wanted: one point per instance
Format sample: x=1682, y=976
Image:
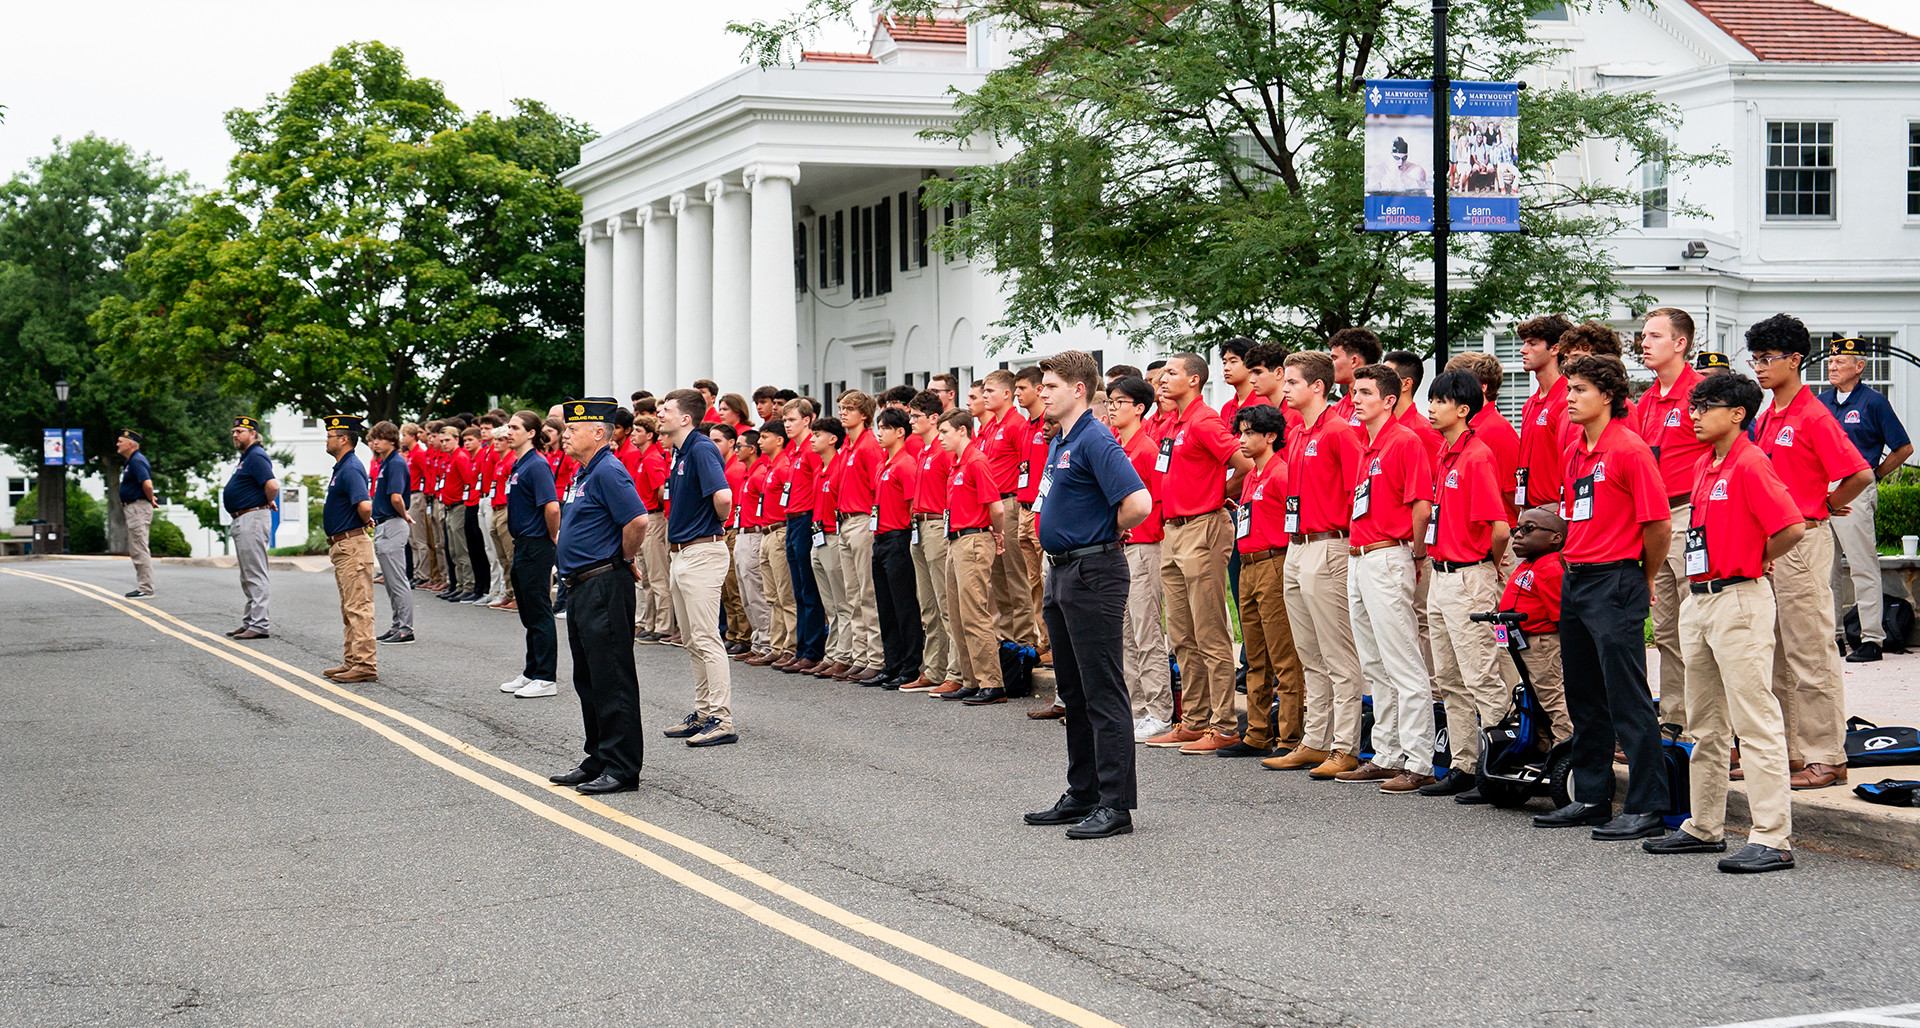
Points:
x=1534, y=590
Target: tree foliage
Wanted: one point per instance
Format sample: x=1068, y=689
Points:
x=1195, y=169
x=374, y=250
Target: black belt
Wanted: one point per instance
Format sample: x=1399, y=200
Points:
x=1069, y=556
x=891, y=531
x=1607, y=565
x=1008, y=496
x=1679, y=500
x=1178, y=520
x=1456, y=565
x=1716, y=585
x=592, y=571
x=382, y=521
x=1026, y=505
x=530, y=538
x=961, y=532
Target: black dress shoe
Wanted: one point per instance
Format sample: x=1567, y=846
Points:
x=986, y=697
x=1681, y=842
x=1755, y=858
x=400, y=640
x=605, y=784
x=1471, y=798
x=248, y=633
x=1631, y=826
x=236, y=631
x=1241, y=749
x=1065, y=811
x=963, y=693
x=1453, y=783
x=1865, y=653
x=574, y=777
x=1574, y=815
x=1104, y=821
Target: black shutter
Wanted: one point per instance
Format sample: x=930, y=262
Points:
x=800, y=257
x=839, y=249
x=906, y=235
x=920, y=226
x=866, y=250
x=883, y=246
x=820, y=242
x=856, y=253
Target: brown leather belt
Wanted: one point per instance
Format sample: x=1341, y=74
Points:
x=1679, y=500
x=677, y=547
x=577, y=577
x=349, y=533
x=750, y=531
x=249, y=510
x=1259, y=555
x=1361, y=551
x=1314, y=537
x=1815, y=522
x=923, y=518
x=1184, y=518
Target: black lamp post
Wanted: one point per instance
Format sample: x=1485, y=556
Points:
x=53, y=486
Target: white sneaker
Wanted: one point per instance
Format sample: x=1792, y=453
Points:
x=519, y=682
x=534, y=689
x=561, y=614
x=1145, y=728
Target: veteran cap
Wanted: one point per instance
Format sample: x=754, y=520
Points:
x=242, y=421
x=1847, y=348
x=1709, y=359
x=131, y=434
x=590, y=408
x=346, y=423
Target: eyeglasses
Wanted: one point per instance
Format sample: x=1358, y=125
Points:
x=1695, y=408
x=1760, y=362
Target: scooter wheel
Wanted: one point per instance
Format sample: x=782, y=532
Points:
x=1560, y=780
x=1502, y=793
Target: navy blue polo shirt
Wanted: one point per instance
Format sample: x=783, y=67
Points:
x=1867, y=419
x=394, y=478
x=346, y=490
x=138, y=471
x=697, y=474
x=529, y=490
x=603, y=502
x=248, y=486
x=1086, y=476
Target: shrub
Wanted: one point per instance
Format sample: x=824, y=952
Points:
x=167, y=540
x=1899, y=512
x=86, y=518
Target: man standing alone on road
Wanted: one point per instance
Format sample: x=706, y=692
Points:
x=698, y=502
x=250, y=498
x=136, y=500
x=347, y=518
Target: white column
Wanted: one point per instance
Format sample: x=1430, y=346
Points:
x=776, y=335
x=628, y=369
x=693, y=313
x=732, y=271
x=597, y=318
x=659, y=305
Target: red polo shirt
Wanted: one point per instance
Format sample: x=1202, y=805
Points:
x=970, y=492
x=502, y=471
x=476, y=470
x=802, y=467
x=1033, y=457
x=416, y=468
x=1343, y=409
x=457, y=478
x=630, y=457
x=826, y=486
x=859, y=467
x=893, y=492
x=1196, y=477
x=775, y=486
x=652, y=475
x=1467, y=503
x=1142, y=450
x=1394, y=474
x=1322, y=462
x=1265, y=498
x=1662, y=419
x=915, y=445
x=1414, y=420
x=1741, y=503
x=1235, y=405
x=1809, y=450
x=1003, y=442
x=1626, y=494
x=746, y=501
x=1504, y=443
x=936, y=470
x=1534, y=590
x=564, y=468
x=1543, y=440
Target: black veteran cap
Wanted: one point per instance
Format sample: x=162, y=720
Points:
x=131, y=434
x=591, y=408
x=1847, y=348
x=242, y=421
x=1708, y=359
x=346, y=423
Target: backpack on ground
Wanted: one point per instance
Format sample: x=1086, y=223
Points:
x=1016, y=668
x=1679, y=797
x=1896, y=619
x=1893, y=792
x=1869, y=745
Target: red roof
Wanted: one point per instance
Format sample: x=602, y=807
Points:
x=830, y=57
x=1802, y=30
x=950, y=31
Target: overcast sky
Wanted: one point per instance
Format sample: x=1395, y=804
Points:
x=159, y=74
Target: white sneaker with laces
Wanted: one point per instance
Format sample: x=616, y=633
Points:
x=1147, y=727
x=519, y=682
x=534, y=689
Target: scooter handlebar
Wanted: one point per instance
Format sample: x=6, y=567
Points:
x=1499, y=617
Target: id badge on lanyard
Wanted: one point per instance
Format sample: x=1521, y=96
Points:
x=760, y=505
x=1520, y=487
x=1024, y=475
x=786, y=492
x=1433, y=525
x=1242, y=521
x=1696, y=550
x=1582, y=500
x=1292, y=525
x=1165, y=460
x=1363, y=498
x=1046, y=486
x=819, y=536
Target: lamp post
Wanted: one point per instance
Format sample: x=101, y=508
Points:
x=53, y=485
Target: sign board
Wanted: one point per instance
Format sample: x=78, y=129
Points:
x=293, y=505
x=1483, y=174
x=1399, y=150
x=63, y=447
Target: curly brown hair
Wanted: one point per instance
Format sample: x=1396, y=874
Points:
x=1590, y=337
x=1604, y=372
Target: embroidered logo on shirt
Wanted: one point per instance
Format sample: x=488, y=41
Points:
x=1541, y=418
x=1853, y=417
x=1600, y=472
x=1065, y=459
x=1453, y=479
x=1375, y=469
x=1719, y=490
x=1526, y=579
x=1785, y=438
x=1313, y=447
x=1673, y=419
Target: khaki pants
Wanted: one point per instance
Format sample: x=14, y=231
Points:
x=1728, y=639
x=856, y=577
x=139, y=529
x=1273, y=666
x=1806, y=667
x=739, y=629
x=753, y=597
x=970, y=564
x=1669, y=586
x=653, y=554
x=1036, y=572
x=1323, y=635
x=1422, y=586
x=778, y=581
x=830, y=577
x=457, y=556
x=424, y=537
x=1466, y=658
x=939, y=662
x=503, y=548
x=695, y=576
x=1549, y=682
x=1193, y=569
x=1014, y=620
x=352, y=559
x=1387, y=640
x=1143, y=660
x=496, y=578
x=1853, y=535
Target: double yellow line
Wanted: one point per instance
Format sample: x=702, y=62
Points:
x=545, y=806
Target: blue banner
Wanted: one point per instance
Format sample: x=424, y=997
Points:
x=1399, y=152
x=1483, y=176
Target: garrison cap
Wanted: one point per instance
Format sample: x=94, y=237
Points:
x=590, y=408
x=1709, y=359
x=242, y=421
x=131, y=434
x=346, y=423
x=1847, y=348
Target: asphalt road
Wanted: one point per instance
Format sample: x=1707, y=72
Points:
x=183, y=839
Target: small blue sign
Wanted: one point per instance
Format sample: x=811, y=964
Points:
x=1399, y=150
x=76, y=447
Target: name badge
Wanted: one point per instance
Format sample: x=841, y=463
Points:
x=1433, y=525
x=1520, y=487
x=1023, y=475
x=819, y=537
x=1242, y=522
x=760, y=505
x=1696, y=550
x=786, y=492
x=1165, y=460
x=1582, y=500
x=1363, y=498
x=1292, y=524
x=916, y=534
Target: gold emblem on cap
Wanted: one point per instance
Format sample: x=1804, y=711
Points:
x=579, y=408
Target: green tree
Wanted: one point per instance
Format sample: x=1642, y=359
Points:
x=1195, y=169
x=67, y=228
x=373, y=251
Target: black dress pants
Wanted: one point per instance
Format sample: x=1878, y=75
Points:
x=896, y=594
x=1085, y=608
x=1603, y=652
x=532, y=575
x=477, y=552
x=600, y=636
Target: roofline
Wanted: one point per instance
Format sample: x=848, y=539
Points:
x=1874, y=73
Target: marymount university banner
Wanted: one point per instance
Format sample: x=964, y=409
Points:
x=1483, y=175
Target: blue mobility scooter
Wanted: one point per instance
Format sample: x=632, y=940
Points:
x=1518, y=758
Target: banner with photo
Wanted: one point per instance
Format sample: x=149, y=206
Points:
x=1483, y=174
x=1399, y=150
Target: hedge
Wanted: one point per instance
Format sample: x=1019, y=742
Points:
x=165, y=539
x=1899, y=512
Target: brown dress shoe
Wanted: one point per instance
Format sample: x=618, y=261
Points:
x=1046, y=658
x=783, y=662
x=1174, y=738
x=852, y=672
x=921, y=684
x=1368, y=771
x=351, y=675
x=1406, y=783
x=1300, y=758
x=942, y=690
x=1051, y=712
x=330, y=672
x=761, y=659
x=1333, y=765
x=872, y=675
x=1213, y=741
x=1818, y=776
x=801, y=667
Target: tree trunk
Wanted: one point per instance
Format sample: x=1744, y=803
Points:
x=116, y=512
x=53, y=505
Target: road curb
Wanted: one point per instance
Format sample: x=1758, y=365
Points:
x=1834, y=820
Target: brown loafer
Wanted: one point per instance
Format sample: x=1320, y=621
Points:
x=801, y=667
x=1333, y=765
x=1368, y=771
x=1300, y=757
x=330, y=672
x=351, y=675
x=1406, y=783
x=1048, y=713
x=783, y=662
x=1818, y=776
x=944, y=689
x=921, y=684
